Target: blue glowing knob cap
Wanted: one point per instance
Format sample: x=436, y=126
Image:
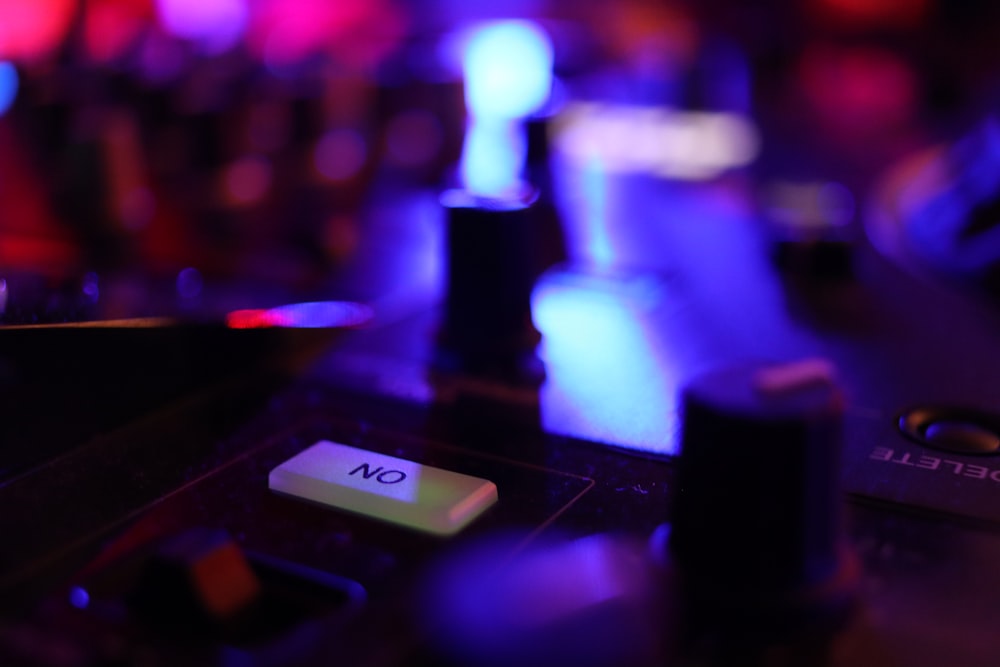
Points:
x=757, y=515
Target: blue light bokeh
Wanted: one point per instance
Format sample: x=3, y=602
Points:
x=508, y=69
x=215, y=24
x=79, y=597
x=9, y=84
x=601, y=351
x=492, y=157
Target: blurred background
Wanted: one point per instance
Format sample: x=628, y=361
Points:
x=715, y=180
x=195, y=157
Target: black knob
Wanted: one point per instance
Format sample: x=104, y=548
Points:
x=492, y=266
x=757, y=529
x=812, y=235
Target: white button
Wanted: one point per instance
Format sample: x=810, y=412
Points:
x=384, y=487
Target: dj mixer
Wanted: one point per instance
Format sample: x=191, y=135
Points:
x=518, y=333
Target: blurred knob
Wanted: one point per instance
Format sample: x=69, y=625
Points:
x=551, y=240
x=757, y=535
x=196, y=577
x=590, y=602
x=491, y=266
x=811, y=228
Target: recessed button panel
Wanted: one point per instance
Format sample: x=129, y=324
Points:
x=962, y=437
x=384, y=487
x=953, y=430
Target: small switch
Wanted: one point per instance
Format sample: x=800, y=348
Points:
x=384, y=487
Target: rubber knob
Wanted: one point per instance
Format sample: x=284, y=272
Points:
x=757, y=528
x=491, y=267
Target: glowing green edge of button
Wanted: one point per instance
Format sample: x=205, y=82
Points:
x=384, y=487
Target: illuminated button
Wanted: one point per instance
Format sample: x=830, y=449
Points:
x=384, y=487
x=963, y=437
